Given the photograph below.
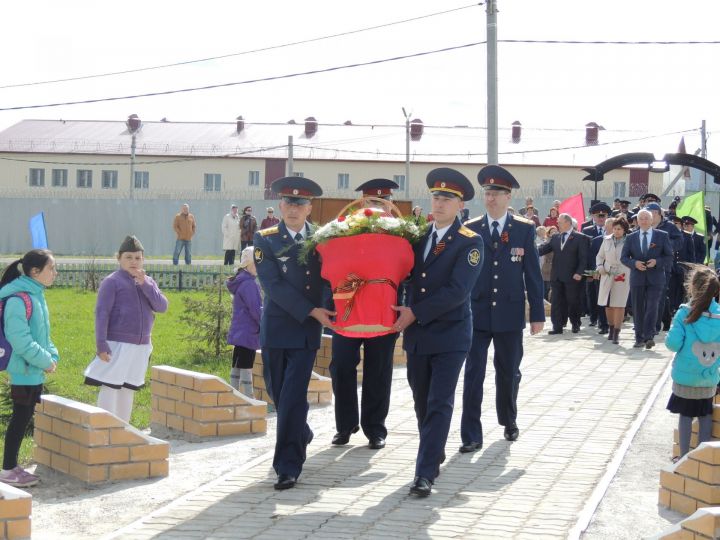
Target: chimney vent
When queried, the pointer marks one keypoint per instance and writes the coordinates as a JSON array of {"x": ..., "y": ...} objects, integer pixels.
[
  {"x": 516, "y": 131},
  {"x": 591, "y": 134},
  {"x": 416, "y": 129},
  {"x": 311, "y": 126},
  {"x": 240, "y": 124},
  {"x": 133, "y": 123}
]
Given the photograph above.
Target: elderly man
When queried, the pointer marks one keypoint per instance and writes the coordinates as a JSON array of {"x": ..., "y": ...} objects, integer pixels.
[
  {"x": 184, "y": 226},
  {"x": 569, "y": 250},
  {"x": 231, "y": 234},
  {"x": 648, "y": 254}
]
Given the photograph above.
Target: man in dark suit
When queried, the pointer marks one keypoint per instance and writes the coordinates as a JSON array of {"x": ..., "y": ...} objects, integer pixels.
[
  {"x": 377, "y": 365},
  {"x": 648, "y": 254},
  {"x": 676, "y": 291},
  {"x": 599, "y": 212},
  {"x": 569, "y": 250},
  {"x": 698, "y": 240},
  {"x": 511, "y": 268},
  {"x": 437, "y": 322},
  {"x": 291, "y": 323}
]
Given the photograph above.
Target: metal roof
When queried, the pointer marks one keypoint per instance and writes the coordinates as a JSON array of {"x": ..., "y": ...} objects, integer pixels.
[{"x": 438, "y": 144}]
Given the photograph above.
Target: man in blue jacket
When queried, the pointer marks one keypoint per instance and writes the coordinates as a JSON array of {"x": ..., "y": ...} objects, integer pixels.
[
  {"x": 511, "y": 268},
  {"x": 648, "y": 254},
  {"x": 291, "y": 323},
  {"x": 437, "y": 323}
]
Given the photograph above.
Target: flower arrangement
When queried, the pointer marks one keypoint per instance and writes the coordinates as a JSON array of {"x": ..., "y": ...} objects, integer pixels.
[{"x": 365, "y": 221}]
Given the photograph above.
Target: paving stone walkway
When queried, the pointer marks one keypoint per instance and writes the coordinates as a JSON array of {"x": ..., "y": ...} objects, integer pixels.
[{"x": 578, "y": 398}]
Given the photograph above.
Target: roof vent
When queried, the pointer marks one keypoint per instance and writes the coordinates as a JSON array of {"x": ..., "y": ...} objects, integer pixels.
[
  {"x": 291, "y": 121},
  {"x": 516, "y": 131},
  {"x": 348, "y": 123},
  {"x": 311, "y": 126},
  {"x": 133, "y": 123},
  {"x": 591, "y": 133},
  {"x": 240, "y": 124},
  {"x": 416, "y": 129}
]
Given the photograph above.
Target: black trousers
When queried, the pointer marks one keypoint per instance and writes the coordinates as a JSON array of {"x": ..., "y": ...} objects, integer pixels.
[
  {"x": 24, "y": 400},
  {"x": 565, "y": 303},
  {"x": 376, "y": 385},
  {"x": 229, "y": 257}
]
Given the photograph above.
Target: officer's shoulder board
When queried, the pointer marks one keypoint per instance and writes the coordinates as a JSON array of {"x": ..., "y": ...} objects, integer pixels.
[
  {"x": 522, "y": 219},
  {"x": 466, "y": 232},
  {"x": 689, "y": 233},
  {"x": 474, "y": 220},
  {"x": 269, "y": 231}
]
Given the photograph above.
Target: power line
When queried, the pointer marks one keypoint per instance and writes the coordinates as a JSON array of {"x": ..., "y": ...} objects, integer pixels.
[
  {"x": 605, "y": 42},
  {"x": 250, "y": 81},
  {"x": 230, "y": 55}
]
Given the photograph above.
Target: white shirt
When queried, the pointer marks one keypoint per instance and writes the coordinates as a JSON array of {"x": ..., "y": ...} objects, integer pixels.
[
  {"x": 440, "y": 233},
  {"x": 295, "y": 233},
  {"x": 649, "y": 237},
  {"x": 501, "y": 223}
]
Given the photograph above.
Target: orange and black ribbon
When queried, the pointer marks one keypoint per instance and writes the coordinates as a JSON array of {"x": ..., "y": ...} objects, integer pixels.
[
  {"x": 439, "y": 248},
  {"x": 352, "y": 284}
]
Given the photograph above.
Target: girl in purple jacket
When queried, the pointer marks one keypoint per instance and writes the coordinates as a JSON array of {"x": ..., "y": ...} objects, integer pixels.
[
  {"x": 244, "y": 331},
  {"x": 124, "y": 317}
]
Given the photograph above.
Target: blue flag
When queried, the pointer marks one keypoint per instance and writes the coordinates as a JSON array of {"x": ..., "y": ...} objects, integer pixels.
[{"x": 37, "y": 231}]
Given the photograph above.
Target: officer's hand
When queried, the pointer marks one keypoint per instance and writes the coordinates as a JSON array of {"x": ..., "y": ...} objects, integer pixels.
[
  {"x": 640, "y": 266},
  {"x": 651, "y": 263},
  {"x": 536, "y": 327},
  {"x": 323, "y": 316},
  {"x": 405, "y": 318},
  {"x": 577, "y": 277}
]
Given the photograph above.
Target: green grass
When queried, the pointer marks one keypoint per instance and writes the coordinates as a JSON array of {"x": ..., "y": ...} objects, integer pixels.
[{"x": 73, "y": 332}]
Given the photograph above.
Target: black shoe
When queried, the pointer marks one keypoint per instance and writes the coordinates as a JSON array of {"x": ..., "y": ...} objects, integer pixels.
[
  {"x": 470, "y": 447},
  {"x": 422, "y": 487},
  {"x": 343, "y": 437},
  {"x": 592, "y": 323},
  {"x": 665, "y": 328},
  {"x": 604, "y": 330},
  {"x": 376, "y": 443},
  {"x": 575, "y": 329},
  {"x": 638, "y": 344},
  {"x": 285, "y": 481},
  {"x": 649, "y": 344},
  {"x": 554, "y": 332},
  {"x": 511, "y": 432}
]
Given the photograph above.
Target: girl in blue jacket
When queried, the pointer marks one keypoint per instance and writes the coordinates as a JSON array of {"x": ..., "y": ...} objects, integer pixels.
[
  {"x": 33, "y": 352},
  {"x": 695, "y": 338}
]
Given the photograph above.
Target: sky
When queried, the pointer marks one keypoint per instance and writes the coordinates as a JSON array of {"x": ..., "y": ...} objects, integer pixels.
[{"x": 653, "y": 88}]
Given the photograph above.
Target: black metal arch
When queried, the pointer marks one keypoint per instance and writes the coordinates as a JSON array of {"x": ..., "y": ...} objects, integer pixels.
[{"x": 597, "y": 173}]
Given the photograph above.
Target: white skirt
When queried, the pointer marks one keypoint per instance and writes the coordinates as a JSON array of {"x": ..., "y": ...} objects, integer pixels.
[{"x": 126, "y": 368}]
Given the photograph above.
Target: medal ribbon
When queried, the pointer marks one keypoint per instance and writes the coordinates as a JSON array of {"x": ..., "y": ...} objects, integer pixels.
[{"x": 347, "y": 289}]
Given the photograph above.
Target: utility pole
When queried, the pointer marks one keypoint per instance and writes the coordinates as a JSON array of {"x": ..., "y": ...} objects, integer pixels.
[
  {"x": 290, "y": 156},
  {"x": 132, "y": 165},
  {"x": 492, "y": 101},
  {"x": 703, "y": 152},
  {"x": 407, "y": 153}
]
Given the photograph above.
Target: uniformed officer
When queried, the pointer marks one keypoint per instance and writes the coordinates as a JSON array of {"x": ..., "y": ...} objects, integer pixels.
[
  {"x": 437, "y": 323},
  {"x": 676, "y": 291},
  {"x": 688, "y": 223},
  {"x": 511, "y": 268},
  {"x": 291, "y": 323},
  {"x": 599, "y": 212},
  {"x": 377, "y": 366}
]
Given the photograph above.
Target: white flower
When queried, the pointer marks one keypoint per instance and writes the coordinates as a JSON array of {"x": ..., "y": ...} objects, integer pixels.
[{"x": 389, "y": 223}]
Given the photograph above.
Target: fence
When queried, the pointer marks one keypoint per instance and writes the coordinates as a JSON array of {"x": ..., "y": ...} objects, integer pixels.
[{"x": 180, "y": 278}]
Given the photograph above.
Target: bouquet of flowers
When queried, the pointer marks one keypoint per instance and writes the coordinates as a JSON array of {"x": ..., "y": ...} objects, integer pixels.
[{"x": 366, "y": 254}]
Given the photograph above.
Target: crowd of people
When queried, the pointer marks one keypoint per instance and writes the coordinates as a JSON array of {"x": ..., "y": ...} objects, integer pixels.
[{"x": 468, "y": 288}]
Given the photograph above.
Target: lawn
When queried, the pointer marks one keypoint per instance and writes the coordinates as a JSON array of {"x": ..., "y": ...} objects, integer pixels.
[{"x": 73, "y": 332}]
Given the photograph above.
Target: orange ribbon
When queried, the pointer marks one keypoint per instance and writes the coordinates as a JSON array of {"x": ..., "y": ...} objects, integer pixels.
[{"x": 352, "y": 284}]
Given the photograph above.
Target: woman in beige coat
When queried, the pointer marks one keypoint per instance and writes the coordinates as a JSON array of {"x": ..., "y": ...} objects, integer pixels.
[{"x": 614, "y": 276}]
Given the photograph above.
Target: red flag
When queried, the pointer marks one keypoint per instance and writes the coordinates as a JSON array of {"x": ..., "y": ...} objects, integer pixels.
[
  {"x": 682, "y": 150},
  {"x": 575, "y": 207}
]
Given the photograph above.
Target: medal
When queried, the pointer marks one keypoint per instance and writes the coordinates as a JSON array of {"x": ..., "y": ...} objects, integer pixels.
[{"x": 284, "y": 268}]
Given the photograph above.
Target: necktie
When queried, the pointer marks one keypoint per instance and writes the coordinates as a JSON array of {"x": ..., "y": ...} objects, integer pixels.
[
  {"x": 495, "y": 237},
  {"x": 433, "y": 243},
  {"x": 644, "y": 243},
  {"x": 562, "y": 240},
  {"x": 299, "y": 237}
]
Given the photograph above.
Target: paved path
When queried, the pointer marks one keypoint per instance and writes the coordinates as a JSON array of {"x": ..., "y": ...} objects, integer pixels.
[{"x": 578, "y": 400}]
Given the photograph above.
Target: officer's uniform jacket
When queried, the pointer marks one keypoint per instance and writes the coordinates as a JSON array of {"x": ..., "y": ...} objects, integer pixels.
[
  {"x": 498, "y": 298},
  {"x": 292, "y": 290},
  {"x": 700, "y": 247},
  {"x": 438, "y": 292}
]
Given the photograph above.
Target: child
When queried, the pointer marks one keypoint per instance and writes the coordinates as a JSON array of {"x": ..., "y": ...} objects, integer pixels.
[
  {"x": 695, "y": 338},
  {"x": 124, "y": 317},
  {"x": 244, "y": 330},
  {"x": 33, "y": 352}
]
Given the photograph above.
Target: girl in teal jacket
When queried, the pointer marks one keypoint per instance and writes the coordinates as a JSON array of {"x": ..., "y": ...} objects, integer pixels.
[
  {"x": 695, "y": 338},
  {"x": 33, "y": 353}
]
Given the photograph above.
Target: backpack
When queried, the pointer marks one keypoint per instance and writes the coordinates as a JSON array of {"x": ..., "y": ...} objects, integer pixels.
[{"x": 5, "y": 347}]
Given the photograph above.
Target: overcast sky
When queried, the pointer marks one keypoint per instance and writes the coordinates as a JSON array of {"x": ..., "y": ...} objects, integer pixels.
[{"x": 659, "y": 88}]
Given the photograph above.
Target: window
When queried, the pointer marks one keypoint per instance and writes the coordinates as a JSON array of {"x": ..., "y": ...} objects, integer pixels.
[
  {"x": 548, "y": 187},
  {"x": 37, "y": 177},
  {"x": 59, "y": 178},
  {"x": 109, "y": 179},
  {"x": 619, "y": 189},
  {"x": 254, "y": 178},
  {"x": 343, "y": 181},
  {"x": 213, "y": 182},
  {"x": 300, "y": 174},
  {"x": 142, "y": 180},
  {"x": 84, "y": 178},
  {"x": 399, "y": 179}
]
